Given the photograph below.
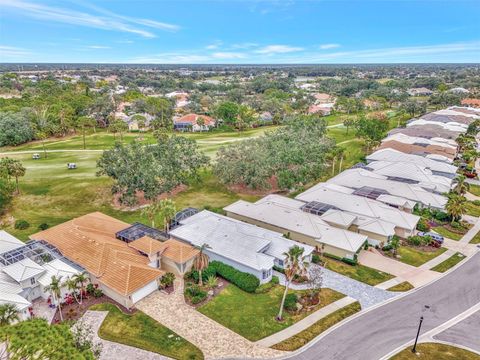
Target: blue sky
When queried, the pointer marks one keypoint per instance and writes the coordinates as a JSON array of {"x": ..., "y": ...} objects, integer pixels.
[{"x": 234, "y": 31}]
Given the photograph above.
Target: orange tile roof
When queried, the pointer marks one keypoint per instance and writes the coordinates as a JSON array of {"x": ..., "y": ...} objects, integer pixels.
[
  {"x": 178, "y": 251},
  {"x": 147, "y": 245},
  {"x": 471, "y": 102},
  {"x": 192, "y": 119},
  {"x": 90, "y": 241},
  {"x": 416, "y": 149}
]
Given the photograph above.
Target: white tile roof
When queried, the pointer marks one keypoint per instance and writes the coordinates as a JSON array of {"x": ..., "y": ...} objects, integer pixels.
[
  {"x": 23, "y": 270},
  {"x": 451, "y": 111},
  {"x": 393, "y": 155},
  {"x": 405, "y": 139},
  {"x": 330, "y": 194},
  {"x": 285, "y": 213},
  {"x": 357, "y": 178},
  {"x": 243, "y": 243},
  {"x": 17, "y": 300},
  {"x": 8, "y": 242},
  {"x": 57, "y": 268}
]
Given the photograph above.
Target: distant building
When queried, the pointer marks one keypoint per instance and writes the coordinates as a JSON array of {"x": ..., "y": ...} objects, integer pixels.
[
  {"x": 471, "y": 102},
  {"x": 419, "y": 92},
  {"x": 190, "y": 122}
]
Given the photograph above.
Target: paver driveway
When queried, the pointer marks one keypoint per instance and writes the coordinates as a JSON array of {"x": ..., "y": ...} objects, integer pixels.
[{"x": 215, "y": 340}]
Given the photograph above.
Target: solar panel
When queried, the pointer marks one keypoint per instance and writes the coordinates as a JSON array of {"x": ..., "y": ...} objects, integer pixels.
[
  {"x": 138, "y": 230},
  {"x": 370, "y": 192},
  {"x": 317, "y": 208},
  {"x": 403, "y": 180}
]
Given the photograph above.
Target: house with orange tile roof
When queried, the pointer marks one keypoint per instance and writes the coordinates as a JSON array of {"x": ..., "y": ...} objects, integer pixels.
[
  {"x": 125, "y": 271},
  {"x": 471, "y": 102},
  {"x": 193, "y": 122}
]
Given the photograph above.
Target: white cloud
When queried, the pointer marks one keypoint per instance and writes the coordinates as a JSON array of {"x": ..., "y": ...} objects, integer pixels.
[
  {"x": 245, "y": 45},
  {"x": 11, "y": 52},
  {"x": 112, "y": 21},
  {"x": 228, "y": 55},
  {"x": 278, "y": 49},
  {"x": 98, "y": 47},
  {"x": 124, "y": 41},
  {"x": 214, "y": 45},
  {"x": 329, "y": 46}
]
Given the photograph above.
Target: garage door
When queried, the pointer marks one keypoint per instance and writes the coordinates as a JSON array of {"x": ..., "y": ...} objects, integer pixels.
[{"x": 146, "y": 290}]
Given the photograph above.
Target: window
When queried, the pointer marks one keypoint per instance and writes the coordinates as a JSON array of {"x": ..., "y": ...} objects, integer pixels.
[
  {"x": 280, "y": 262},
  {"x": 32, "y": 281},
  {"x": 266, "y": 273}
]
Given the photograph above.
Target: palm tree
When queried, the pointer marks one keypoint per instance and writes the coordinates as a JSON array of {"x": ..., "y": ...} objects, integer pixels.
[
  {"x": 55, "y": 288},
  {"x": 456, "y": 206},
  {"x": 167, "y": 211},
  {"x": 295, "y": 264},
  {"x": 81, "y": 278},
  {"x": 8, "y": 314},
  {"x": 150, "y": 212},
  {"x": 72, "y": 286},
  {"x": 201, "y": 262},
  {"x": 462, "y": 186}
]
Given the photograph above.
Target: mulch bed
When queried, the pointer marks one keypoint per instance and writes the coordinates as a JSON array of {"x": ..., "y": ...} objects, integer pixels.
[
  {"x": 222, "y": 284},
  {"x": 75, "y": 311}
]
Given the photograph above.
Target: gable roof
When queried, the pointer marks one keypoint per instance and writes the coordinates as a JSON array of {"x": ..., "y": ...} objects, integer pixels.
[
  {"x": 90, "y": 241},
  {"x": 57, "y": 268},
  {"x": 286, "y": 213},
  {"x": 23, "y": 270},
  {"x": 418, "y": 149},
  {"x": 192, "y": 119},
  {"x": 178, "y": 251},
  {"x": 8, "y": 242},
  {"x": 20, "y": 302},
  {"x": 147, "y": 245}
]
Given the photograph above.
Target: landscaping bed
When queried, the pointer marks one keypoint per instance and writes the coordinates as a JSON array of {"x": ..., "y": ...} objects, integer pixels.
[
  {"x": 404, "y": 286},
  {"x": 141, "y": 331},
  {"x": 358, "y": 272},
  {"x": 252, "y": 315},
  {"x": 449, "y": 263},
  {"x": 450, "y": 232},
  {"x": 473, "y": 208},
  {"x": 305, "y": 336},
  {"x": 431, "y": 351}
]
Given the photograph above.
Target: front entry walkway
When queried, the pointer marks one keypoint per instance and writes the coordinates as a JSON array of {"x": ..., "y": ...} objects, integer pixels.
[
  {"x": 213, "y": 339},
  {"x": 415, "y": 276}
]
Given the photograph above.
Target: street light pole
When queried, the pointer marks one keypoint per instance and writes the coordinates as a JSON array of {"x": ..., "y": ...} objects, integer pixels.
[{"x": 414, "y": 349}]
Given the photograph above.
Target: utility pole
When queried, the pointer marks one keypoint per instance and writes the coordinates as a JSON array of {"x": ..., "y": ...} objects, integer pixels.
[{"x": 414, "y": 349}]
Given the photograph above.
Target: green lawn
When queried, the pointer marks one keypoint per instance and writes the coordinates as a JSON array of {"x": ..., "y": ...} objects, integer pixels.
[
  {"x": 253, "y": 315},
  {"x": 141, "y": 331},
  {"x": 449, "y": 263},
  {"x": 417, "y": 257},
  {"x": 472, "y": 209},
  {"x": 433, "y": 351},
  {"x": 305, "y": 336},
  {"x": 404, "y": 286},
  {"x": 358, "y": 272},
  {"x": 447, "y": 233},
  {"x": 476, "y": 239},
  {"x": 474, "y": 189}
]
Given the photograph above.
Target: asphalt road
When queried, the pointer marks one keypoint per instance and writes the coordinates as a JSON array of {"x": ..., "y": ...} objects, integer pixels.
[
  {"x": 378, "y": 332},
  {"x": 466, "y": 332}
]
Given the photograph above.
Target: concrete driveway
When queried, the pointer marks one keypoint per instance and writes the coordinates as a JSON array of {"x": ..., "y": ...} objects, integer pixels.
[{"x": 415, "y": 276}]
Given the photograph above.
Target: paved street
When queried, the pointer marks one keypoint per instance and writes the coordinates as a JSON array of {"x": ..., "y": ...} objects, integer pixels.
[
  {"x": 377, "y": 332},
  {"x": 466, "y": 332}
]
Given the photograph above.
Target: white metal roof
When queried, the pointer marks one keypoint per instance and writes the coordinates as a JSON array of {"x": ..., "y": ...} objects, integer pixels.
[
  {"x": 9, "y": 242},
  {"x": 23, "y": 269},
  {"x": 8, "y": 285},
  {"x": 358, "y": 178},
  {"x": 57, "y": 268},
  {"x": 330, "y": 194},
  {"x": 243, "y": 243},
  {"x": 405, "y": 139},
  {"x": 285, "y": 213},
  {"x": 393, "y": 155},
  {"x": 17, "y": 300},
  {"x": 451, "y": 126}
]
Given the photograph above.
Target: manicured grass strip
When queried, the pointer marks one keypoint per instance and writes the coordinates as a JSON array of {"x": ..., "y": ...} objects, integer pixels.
[
  {"x": 474, "y": 189},
  {"x": 253, "y": 315},
  {"x": 430, "y": 351},
  {"x": 449, "y": 263},
  {"x": 404, "y": 286},
  {"x": 305, "y": 336},
  {"x": 141, "y": 331},
  {"x": 476, "y": 239},
  {"x": 447, "y": 233},
  {"x": 417, "y": 257},
  {"x": 472, "y": 209},
  {"x": 358, "y": 272}
]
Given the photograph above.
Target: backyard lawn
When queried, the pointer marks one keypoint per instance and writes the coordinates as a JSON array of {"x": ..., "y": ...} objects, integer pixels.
[
  {"x": 404, "y": 286},
  {"x": 432, "y": 351},
  {"x": 141, "y": 331},
  {"x": 358, "y": 272},
  {"x": 253, "y": 315},
  {"x": 305, "y": 336},
  {"x": 417, "y": 257},
  {"x": 449, "y": 263}
]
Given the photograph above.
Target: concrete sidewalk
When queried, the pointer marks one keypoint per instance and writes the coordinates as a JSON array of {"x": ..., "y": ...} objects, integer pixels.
[
  {"x": 305, "y": 323},
  {"x": 471, "y": 233}
]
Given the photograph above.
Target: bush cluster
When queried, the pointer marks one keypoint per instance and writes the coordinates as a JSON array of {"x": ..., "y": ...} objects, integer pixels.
[
  {"x": 195, "y": 294},
  {"x": 290, "y": 302},
  {"x": 22, "y": 224},
  {"x": 265, "y": 288},
  {"x": 423, "y": 225},
  {"x": 245, "y": 281}
]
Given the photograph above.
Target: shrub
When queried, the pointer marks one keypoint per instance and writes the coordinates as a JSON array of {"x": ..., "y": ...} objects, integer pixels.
[
  {"x": 244, "y": 281},
  {"x": 97, "y": 293},
  {"x": 349, "y": 261},
  {"x": 365, "y": 247},
  {"x": 167, "y": 280},
  {"x": 316, "y": 259},
  {"x": 423, "y": 225},
  {"x": 206, "y": 273},
  {"x": 43, "y": 226},
  {"x": 279, "y": 269},
  {"x": 290, "y": 302},
  {"x": 441, "y": 216},
  {"x": 22, "y": 224},
  {"x": 195, "y": 294},
  {"x": 456, "y": 225},
  {"x": 275, "y": 280},
  {"x": 476, "y": 202},
  {"x": 331, "y": 256},
  {"x": 212, "y": 281},
  {"x": 387, "y": 247},
  {"x": 90, "y": 289},
  {"x": 419, "y": 240}
]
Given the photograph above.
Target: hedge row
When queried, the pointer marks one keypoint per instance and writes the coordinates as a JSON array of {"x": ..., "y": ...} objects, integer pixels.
[{"x": 245, "y": 281}]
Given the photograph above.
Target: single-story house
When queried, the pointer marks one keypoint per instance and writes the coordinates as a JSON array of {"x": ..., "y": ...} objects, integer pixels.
[
  {"x": 246, "y": 247},
  {"x": 191, "y": 122},
  {"x": 427, "y": 131},
  {"x": 422, "y": 91},
  {"x": 323, "y": 109},
  {"x": 451, "y": 125},
  {"x": 282, "y": 214},
  {"x": 402, "y": 223},
  {"x": 471, "y": 102}
]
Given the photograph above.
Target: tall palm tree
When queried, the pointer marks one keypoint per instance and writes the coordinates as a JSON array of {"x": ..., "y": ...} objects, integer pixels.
[
  {"x": 150, "y": 212},
  {"x": 201, "y": 262},
  {"x": 167, "y": 211},
  {"x": 81, "y": 278},
  {"x": 462, "y": 186},
  {"x": 456, "y": 206},
  {"x": 295, "y": 264},
  {"x": 55, "y": 289},
  {"x": 72, "y": 286},
  {"x": 8, "y": 314}
]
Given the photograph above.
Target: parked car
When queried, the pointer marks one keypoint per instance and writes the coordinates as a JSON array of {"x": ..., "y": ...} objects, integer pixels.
[{"x": 435, "y": 237}]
